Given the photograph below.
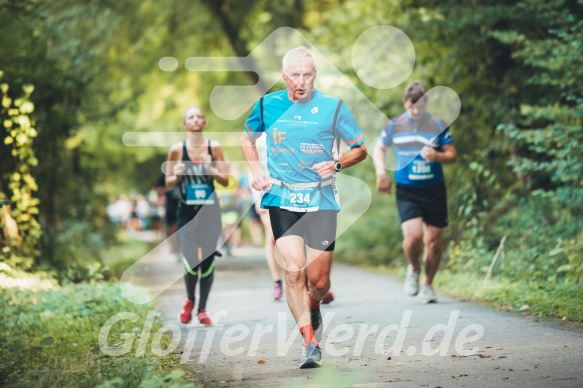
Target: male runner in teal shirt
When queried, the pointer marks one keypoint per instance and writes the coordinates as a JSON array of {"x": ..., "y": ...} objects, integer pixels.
[{"x": 303, "y": 128}]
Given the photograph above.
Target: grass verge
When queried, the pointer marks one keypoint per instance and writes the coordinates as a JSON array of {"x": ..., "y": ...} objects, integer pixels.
[
  {"x": 50, "y": 337},
  {"x": 547, "y": 299},
  {"x": 552, "y": 300}
]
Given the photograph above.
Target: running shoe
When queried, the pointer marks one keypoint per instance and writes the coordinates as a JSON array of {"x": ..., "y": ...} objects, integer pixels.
[
  {"x": 427, "y": 294},
  {"x": 312, "y": 357},
  {"x": 203, "y": 317},
  {"x": 186, "y": 313},
  {"x": 316, "y": 318},
  {"x": 277, "y": 291},
  {"x": 329, "y": 297},
  {"x": 411, "y": 281}
]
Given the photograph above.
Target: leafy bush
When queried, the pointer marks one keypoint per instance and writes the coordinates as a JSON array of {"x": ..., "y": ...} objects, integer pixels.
[
  {"x": 78, "y": 241},
  {"x": 77, "y": 273},
  {"x": 16, "y": 179},
  {"x": 572, "y": 250},
  {"x": 374, "y": 238}
]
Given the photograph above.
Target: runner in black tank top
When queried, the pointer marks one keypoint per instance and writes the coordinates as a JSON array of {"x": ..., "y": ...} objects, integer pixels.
[{"x": 198, "y": 213}]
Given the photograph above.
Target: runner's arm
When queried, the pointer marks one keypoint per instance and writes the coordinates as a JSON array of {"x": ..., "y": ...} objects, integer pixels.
[
  {"x": 447, "y": 154},
  {"x": 384, "y": 184},
  {"x": 174, "y": 167},
  {"x": 355, "y": 155},
  {"x": 260, "y": 180},
  {"x": 221, "y": 171}
]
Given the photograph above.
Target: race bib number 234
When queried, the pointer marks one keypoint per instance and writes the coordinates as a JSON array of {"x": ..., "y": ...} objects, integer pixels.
[{"x": 300, "y": 198}]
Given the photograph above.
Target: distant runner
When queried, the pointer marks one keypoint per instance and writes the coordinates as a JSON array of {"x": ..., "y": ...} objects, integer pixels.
[
  {"x": 422, "y": 143},
  {"x": 193, "y": 165}
]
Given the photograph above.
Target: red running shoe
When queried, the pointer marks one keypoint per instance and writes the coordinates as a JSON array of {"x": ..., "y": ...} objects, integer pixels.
[
  {"x": 328, "y": 297},
  {"x": 186, "y": 313},
  {"x": 203, "y": 317}
]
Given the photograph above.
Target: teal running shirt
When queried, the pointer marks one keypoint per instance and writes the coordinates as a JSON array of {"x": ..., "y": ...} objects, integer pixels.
[{"x": 300, "y": 135}]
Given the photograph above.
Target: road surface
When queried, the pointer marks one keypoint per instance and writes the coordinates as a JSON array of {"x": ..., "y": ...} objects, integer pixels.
[{"x": 375, "y": 335}]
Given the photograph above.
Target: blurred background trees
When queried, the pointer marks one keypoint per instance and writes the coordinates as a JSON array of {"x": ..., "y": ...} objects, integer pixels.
[{"x": 517, "y": 68}]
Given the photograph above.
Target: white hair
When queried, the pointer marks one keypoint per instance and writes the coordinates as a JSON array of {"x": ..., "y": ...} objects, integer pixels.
[
  {"x": 193, "y": 107},
  {"x": 296, "y": 55}
]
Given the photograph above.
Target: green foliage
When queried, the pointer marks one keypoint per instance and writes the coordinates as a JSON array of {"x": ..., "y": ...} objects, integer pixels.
[
  {"x": 517, "y": 68},
  {"x": 92, "y": 273},
  {"x": 536, "y": 229},
  {"x": 373, "y": 240},
  {"x": 572, "y": 250},
  {"x": 49, "y": 337},
  {"x": 19, "y": 157},
  {"x": 119, "y": 257},
  {"x": 100, "y": 261},
  {"x": 518, "y": 64},
  {"x": 548, "y": 133},
  {"x": 542, "y": 244},
  {"x": 80, "y": 243},
  {"x": 147, "y": 379},
  {"x": 473, "y": 197}
]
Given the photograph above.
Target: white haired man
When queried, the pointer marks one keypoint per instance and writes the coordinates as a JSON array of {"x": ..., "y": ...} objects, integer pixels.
[{"x": 303, "y": 126}]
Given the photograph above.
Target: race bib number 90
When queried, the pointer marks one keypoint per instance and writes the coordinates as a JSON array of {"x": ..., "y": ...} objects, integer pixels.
[{"x": 199, "y": 194}]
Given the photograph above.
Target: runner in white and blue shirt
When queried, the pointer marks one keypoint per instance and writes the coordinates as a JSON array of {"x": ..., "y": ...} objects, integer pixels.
[
  {"x": 409, "y": 137},
  {"x": 422, "y": 143}
]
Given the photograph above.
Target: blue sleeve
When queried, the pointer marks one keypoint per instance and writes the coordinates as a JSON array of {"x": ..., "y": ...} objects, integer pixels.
[
  {"x": 254, "y": 126},
  {"x": 445, "y": 136},
  {"x": 386, "y": 134},
  {"x": 348, "y": 129}
]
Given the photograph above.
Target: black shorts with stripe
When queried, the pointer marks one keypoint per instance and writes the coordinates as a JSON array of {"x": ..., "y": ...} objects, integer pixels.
[
  {"x": 318, "y": 229},
  {"x": 428, "y": 203}
]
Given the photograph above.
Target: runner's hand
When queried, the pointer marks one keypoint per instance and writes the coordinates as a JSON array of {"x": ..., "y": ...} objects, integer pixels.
[
  {"x": 429, "y": 154},
  {"x": 325, "y": 169},
  {"x": 207, "y": 160},
  {"x": 384, "y": 184},
  {"x": 260, "y": 182},
  {"x": 178, "y": 168}
]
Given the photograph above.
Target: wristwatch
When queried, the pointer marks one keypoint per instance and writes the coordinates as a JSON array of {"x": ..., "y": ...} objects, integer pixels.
[{"x": 337, "y": 165}]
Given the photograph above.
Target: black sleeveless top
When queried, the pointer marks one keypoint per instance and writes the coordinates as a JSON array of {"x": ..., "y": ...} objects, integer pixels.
[{"x": 196, "y": 184}]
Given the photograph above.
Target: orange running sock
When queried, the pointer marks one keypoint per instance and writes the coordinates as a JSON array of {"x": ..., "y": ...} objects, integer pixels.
[{"x": 308, "y": 333}]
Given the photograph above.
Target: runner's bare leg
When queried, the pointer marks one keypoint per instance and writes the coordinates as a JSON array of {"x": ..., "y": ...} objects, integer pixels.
[{"x": 290, "y": 253}]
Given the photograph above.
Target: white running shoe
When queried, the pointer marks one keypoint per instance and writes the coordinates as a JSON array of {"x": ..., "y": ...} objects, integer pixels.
[
  {"x": 411, "y": 281},
  {"x": 427, "y": 294}
]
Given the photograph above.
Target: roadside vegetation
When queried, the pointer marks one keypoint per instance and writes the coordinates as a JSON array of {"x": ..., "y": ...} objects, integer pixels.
[{"x": 50, "y": 331}]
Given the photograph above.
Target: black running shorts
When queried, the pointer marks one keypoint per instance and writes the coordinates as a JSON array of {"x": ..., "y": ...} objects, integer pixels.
[
  {"x": 318, "y": 229},
  {"x": 429, "y": 203}
]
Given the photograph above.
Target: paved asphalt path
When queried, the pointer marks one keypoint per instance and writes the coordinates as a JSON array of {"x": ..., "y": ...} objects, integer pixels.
[{"x": 375, "y": 335}]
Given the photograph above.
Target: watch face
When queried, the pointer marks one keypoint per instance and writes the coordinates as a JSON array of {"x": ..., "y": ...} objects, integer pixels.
[{"x": 338, "y": 166}]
